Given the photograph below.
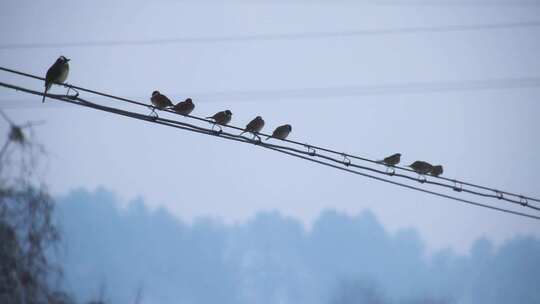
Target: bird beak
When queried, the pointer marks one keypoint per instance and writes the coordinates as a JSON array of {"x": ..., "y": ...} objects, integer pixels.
[{"x": 67, "y": 60}]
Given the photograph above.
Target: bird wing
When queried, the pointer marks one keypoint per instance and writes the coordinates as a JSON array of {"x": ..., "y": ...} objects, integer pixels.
[{"x": 53, "y": 74}]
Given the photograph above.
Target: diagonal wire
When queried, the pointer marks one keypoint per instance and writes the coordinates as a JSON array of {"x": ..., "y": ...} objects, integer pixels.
[
  {"x": 455, "y": 184},
  {"x": 282, "y": 149},
  {"x": 274, "y": 37}
]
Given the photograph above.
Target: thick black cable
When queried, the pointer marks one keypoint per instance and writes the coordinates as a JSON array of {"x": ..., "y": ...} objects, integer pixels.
[
  {"x": 456, "y": 184},
  {"x": 274, "y": 37},
  {"x": 176, "y": 124}
]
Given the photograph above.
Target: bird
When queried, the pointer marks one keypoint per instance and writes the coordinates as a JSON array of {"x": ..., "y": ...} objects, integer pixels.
[
  {"x": 160, "y": 101},
  {"x": 436, "y": 170},
  {"x": 58, "y": 72},
  {"x": 221, "y": 118},
  {"x": 184, "y": 107},
  {"x": 281, "y": 132},
  {"x": 421, "y": 167},
  {"x": 391, "y": 160},
  {"x": 254, "y": 126}
]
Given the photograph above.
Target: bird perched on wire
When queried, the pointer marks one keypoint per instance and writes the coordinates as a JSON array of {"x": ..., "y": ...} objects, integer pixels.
[
  {"x": 254, "y": 126},
  {"x": 281, "y": 132},
  {"x": 184, "y": 107},
  {"x": 436, "y": 170},
  {"x": 391, "y": 160},
  {"x": 221, "y": 118},
  {"x": 160, "y": 101},
  {"x": 57, "y": 73},
  {"x": 421, "y": 167}
]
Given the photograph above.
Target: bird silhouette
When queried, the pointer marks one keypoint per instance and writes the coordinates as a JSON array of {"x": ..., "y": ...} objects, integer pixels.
[
  {"x": 254, "y": 126},
  {"x": 184, "y": 107},
  {"x": 436, "y": 170},
  {"x": 160, "y": 101},
  {"x": 281, "y": 132},
  {"x": 222, "y": 118},
  {"x": 391, "y": 160},
  {"x": 58, "y": 72},
  {"x": 421, "y": 167}
]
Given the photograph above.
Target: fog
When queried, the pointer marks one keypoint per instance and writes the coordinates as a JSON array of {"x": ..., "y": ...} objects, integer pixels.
[{"x": 115, "y": 251}]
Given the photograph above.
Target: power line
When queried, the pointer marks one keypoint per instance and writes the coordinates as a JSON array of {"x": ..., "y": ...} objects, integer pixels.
[
  {"x": 457, "y": 3},
  {"x": 456, "y": 185},
  {"x": 348, "y": 91},
  {"x": 229, "y": 136},
  {"x": 273, "y": 37}
]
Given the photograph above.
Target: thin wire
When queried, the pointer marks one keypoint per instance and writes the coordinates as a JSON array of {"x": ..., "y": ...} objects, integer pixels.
[
  {"x": 274, "y": 37},
  {"x": 457, "y": 3},
  {"x": 188, "y": 127},
  {"x": 498, "y": 194},
  {"x": 345, "y": 91}
]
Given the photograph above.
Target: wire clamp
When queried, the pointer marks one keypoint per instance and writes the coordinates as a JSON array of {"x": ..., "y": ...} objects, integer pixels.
[
  {"x": 458, "y": 187},
  {"x": 391, "y": 171},
  {"x": 70, "y": 88},
  {"x": 310, "y": 150},
  {"x": 153, "y": 114},
  {"x": 523, "y": 201},
  {"x": 346, "y": 160},
  {"x": 218, "y": 131},
  {"x": 256, "y": 139},
  {"x": 421, "y": 179},
  {"x": 499, "y": 194}
]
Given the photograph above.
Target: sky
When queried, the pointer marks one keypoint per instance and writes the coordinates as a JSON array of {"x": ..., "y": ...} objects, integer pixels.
[{"x": 485, "y": 136}]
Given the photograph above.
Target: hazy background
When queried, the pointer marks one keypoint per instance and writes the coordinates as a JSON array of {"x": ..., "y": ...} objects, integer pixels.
[{"x": 487, "y": 136}]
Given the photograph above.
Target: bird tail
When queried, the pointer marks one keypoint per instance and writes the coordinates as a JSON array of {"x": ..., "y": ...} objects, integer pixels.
[
  {"x": 44, "y": 92},
  {"x": 380, "y": 161},
  {"x": 242, "y": 133}
]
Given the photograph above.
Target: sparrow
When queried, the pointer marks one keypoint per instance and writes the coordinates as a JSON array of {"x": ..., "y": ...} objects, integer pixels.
[
  {"x": 421, "y": 167},
  {"x": 58, "y": 72},
  {"x": 160, "y": 101},
  {"x": 184, "y": 107},
  {"x": 437, "y": 170},
  {"x": 254, "y": 126},
  {"x": 281, "y": 132},
  {"x": 391, "y": 160},
  {"x": 221, "y": 118}
]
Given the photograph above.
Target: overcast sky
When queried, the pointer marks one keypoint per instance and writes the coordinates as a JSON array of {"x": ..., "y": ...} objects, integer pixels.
[{"x": 485, "y": 136}]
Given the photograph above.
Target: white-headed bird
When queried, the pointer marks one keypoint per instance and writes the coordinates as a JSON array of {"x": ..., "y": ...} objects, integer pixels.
[
  {"x": 160, "y": 101},
  {"x": 391, "y": 160},
  {"x": 436, "y": 170},
  {"x": 57, "y": 73},
  {"x": 421, "y": 167},
  {"x": 222, "y": 118},
  {"x": 281, "y": 132},
  {"x": 184, "y": 107},
  {"x": 254, "y": 126}
]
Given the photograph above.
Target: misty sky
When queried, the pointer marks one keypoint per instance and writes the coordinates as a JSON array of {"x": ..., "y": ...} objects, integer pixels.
[{"x": 488, "y": 137}]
